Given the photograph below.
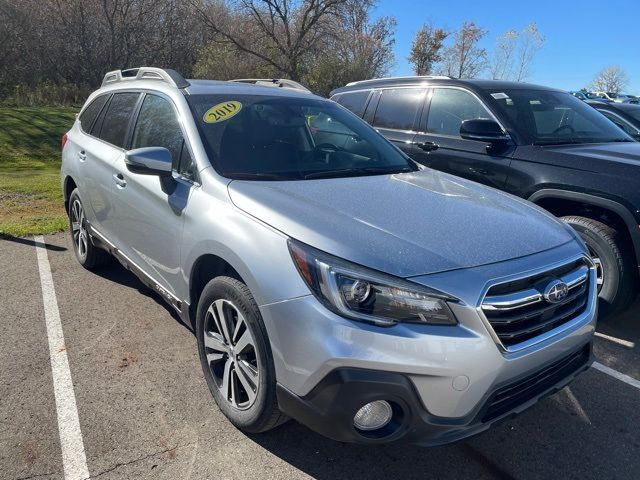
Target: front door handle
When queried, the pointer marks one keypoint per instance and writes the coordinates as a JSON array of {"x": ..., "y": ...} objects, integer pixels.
[
  {"x": 426, "y": 146},
  {"x": 119, "y": 179},
  {"x": 82, "y": 155}
]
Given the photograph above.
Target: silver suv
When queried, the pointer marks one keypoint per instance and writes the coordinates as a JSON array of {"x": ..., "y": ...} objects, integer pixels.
[{"x": 327, "y": 277}]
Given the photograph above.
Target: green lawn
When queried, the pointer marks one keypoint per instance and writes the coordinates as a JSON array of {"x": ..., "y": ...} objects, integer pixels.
[{"x": 30, "y": 196}]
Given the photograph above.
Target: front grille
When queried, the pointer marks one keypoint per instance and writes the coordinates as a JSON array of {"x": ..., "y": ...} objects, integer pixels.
[
  {"x": 518, "y": 310},
  {"x": 508, "y": 398}
]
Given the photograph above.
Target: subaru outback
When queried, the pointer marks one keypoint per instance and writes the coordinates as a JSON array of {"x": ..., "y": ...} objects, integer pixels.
[{"x": 327, "y": 277}]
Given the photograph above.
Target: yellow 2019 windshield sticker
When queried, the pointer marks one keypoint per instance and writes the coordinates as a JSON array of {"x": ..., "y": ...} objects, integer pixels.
[{"x": 222, "y": 111}]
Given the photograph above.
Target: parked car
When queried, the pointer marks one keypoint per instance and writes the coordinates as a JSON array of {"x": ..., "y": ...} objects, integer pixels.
[
  {"x": 594, "y": 96},
  {"x": 327, "y": 276},
  {"x": 579, "y": 95},
  {"x": 624, "y": 115},
  {"x": 541, "y": 144},
  {"x": 614, "y": 97}
]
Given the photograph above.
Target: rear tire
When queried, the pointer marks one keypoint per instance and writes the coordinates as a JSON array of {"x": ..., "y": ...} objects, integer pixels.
[
  {"x": 236, "y": 357},
  {"x": 614, "y": 260},
  {"x": 87, "y": 253}
]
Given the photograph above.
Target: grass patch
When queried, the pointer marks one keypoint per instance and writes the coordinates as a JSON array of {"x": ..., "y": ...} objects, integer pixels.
[{"x": 30, "y": 196}]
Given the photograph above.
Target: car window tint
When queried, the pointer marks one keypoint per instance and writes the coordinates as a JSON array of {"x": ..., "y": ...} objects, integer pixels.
[
  {"x": 89, "y": 114},
  {"x": 449, "y": 108},
  {"x": 398, "y": 108},
  {"x": 117, "y": 118},
  {"x": 157, "y": 126},
  {"x": 354, "y": 101},
  {"x": 619, "y": 122}
]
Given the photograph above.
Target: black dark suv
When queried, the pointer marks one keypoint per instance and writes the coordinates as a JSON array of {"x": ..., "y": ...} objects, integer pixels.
[{"x": 535, "y": 142}]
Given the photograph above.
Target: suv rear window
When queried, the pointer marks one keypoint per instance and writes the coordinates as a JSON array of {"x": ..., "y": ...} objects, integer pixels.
[
  {"x": 117, "y": 118},
  {"x": 354, "y": 101},
  {"x": 398, "y": 108},
  {"x": 90, "y": 113}
]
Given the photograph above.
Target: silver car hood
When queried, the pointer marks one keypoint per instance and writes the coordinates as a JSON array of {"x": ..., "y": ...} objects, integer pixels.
[{"x": 407, "y": 224}]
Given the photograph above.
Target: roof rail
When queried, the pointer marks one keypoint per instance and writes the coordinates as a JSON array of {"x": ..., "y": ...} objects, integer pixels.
[
  {"x": 415, "y": 77},
  {"x": 166, "y": 75},
  {"x": 273, "y": 82}
]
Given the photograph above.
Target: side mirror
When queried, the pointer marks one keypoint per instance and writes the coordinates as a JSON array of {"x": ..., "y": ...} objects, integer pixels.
[
  {"x": 483, "y": 130},
  {"x": 149, "y": 161}
]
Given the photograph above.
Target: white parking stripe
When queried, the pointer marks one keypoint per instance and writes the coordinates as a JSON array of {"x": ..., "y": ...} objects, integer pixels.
[
  {"x": 619, "y": 341},
  {"x": 616, "y": 374},
  {"x": 73, "y": 457}
]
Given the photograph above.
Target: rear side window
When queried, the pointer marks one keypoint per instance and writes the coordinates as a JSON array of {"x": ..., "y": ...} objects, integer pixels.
[
  {"x": 157, "y": 126},
  {"x": 355, "y": 101},
  {"x": 116, "y": 120},
  {"x": 398, "y": 108},
  {"x": 449, "y": 108},
  {"x": 88, "y": 116}
]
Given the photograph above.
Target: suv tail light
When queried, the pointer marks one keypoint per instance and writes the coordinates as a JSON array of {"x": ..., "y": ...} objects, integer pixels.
[{"x": 63, "y": 141}]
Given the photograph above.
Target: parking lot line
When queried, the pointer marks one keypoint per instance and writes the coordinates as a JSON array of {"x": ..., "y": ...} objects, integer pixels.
[
  {"x": 616, "y": 374},
  {"x": 73, "y": 456},
  {"x": 625, "y": 343}
]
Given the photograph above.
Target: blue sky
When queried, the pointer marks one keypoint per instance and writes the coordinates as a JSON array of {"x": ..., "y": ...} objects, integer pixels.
[{"x": 581, "y": 37}]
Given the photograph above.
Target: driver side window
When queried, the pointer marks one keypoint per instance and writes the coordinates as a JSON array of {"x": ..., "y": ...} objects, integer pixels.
[
  {"x": 449, "y": 108},
  {"x": 157, "y": 126}
]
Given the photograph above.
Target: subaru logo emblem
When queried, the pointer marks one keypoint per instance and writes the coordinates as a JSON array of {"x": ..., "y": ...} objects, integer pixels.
[{"x": 556, "y": 291}]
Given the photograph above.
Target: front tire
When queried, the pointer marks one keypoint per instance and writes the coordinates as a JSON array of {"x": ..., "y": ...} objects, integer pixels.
[
  {"x": 235, "y": 355},
  {"x": 87, "y": 253},
  {"x": 610, "y": 251}
]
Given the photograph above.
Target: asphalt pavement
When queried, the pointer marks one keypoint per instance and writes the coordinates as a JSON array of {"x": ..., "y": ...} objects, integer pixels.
[{"x": 145, "y": 411}]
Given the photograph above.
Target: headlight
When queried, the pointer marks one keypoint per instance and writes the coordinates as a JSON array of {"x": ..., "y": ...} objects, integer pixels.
[{"x": 363, "y": 294}]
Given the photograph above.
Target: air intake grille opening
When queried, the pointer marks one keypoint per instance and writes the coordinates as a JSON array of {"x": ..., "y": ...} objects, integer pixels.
[
  {"x": 523, "y": 309},
  {"x": 507, "y": 398}
]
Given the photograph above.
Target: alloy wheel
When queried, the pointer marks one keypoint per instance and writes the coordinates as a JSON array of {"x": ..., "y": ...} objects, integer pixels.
[
  {"x": 78, "y": 229},
  {"x": 231, "y": 354},
  {"x": 599, "y": 268}
]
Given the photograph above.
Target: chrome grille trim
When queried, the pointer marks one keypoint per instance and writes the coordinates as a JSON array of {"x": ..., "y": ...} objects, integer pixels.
[
  {"x": 530, "y": 296},
  {"x": 517, "y": 314}
]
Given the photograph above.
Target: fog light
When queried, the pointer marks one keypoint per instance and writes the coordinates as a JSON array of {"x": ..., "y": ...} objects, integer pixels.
[{"x": 373, "y": 415}]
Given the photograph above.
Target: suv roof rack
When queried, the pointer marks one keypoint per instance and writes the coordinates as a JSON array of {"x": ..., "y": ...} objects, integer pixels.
[
  {"x": 414, "y": 77},
  {"x": 166, "y": 75},
  {"x": 273, "y": 82}
]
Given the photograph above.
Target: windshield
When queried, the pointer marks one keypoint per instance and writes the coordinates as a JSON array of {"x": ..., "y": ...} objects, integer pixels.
[
  {"x": 546, "y": 117},
  {"x": 279, "y": 138}
]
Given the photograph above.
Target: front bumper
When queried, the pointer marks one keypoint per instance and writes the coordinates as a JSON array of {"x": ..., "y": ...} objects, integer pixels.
[{"x": 330, "y": 407}]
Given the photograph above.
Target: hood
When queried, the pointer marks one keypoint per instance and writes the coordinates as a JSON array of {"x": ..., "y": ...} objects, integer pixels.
[
  {"x": 594, "y": 157},
  {"x": 407, "y": 224}
]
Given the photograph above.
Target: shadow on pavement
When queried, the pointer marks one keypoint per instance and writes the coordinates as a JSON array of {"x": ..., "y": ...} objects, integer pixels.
[
  {"x": 30, "y": 242},
  {"x": 116, "y": 273}
]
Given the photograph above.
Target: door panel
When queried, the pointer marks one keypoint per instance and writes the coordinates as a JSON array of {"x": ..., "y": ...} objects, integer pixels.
[
  {"x": 438, "y": 145},
  {"x": 148, "y": 213}
]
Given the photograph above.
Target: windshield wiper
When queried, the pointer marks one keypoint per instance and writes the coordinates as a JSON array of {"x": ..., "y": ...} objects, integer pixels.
[
  {"x": 254, "y": 176},
  {"x": 559, "y": 142},
  {"x": 352, "y": 172}
]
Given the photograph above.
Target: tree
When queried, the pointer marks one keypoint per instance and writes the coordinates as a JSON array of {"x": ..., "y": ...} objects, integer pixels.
[
  {"x": 358, "y": 48},
  {"x": 281, "y": 33},
  {"x": 465, "y": 59},
  {"x": 502, "y": 62},
  {"x": 515, "y": 52},
  {"x": 530, "y": 43},
  {"x": 610, "y": 79},
  {"x": 426, "y": 48}
]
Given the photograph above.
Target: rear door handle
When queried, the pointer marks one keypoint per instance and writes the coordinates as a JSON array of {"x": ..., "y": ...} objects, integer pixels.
[
  {"x": 82, "y": 155},
  {"x": 119, "y": 179},
  {"x": 426, "y": 146}
]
